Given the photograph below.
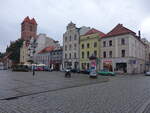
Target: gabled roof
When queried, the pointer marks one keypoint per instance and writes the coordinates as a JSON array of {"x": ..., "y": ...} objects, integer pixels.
[
  {"x": 119, "y": 30},
  {"x": 93, "y": 31},
  {"x": 33, "y": 21},
  {"x": 27, "y": 19},
  {"x": 47, "y": 49}
]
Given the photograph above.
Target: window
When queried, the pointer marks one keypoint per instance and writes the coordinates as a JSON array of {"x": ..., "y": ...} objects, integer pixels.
[
  {"x": 88, "y": 45},
  {"x": 70, "y": 55},
  {"x": 75, "y": 46},
  {"x": 65, "y": 38},
  {"x": 104, "y": 43},
  {"x": 95, "y": 44},
  {"x": 88, "y": 66},
  {"x": 70, "y": 38},
  {"x": 123, "y": 41},
  {"x": 82, "y": 46},
  {"x": 95, "y": 53},
  {"x": 74, "y": 55},
  {"x": 110, "y": 43},
  {"x": 65, "y": 56},
  {"x": 65, "y": 47},
  {"x": 88, "y": 54},
  {"x": 104, "y": 54},
  {"x": 75, "y": 37},
  {"x": 82, "y": 54},
  {"x": 110, "y": 53},
  {"x": 70, "y": 47},
  {"x": 123, "y": 53},
  {"x": 83, "y": 66}
]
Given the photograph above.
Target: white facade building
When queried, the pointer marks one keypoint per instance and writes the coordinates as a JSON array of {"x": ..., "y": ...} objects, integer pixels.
[
  {"x": 71, "y": 45},
  {"x": 122, "y": 51}
]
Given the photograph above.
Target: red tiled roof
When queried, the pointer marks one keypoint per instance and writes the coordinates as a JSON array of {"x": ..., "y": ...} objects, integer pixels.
[
  {"x": 33, "y": 21},
  {"x": 119, "y": 30},
  {"x": 27, "y": 19},
  {"x": 93, "y": 31},
  {"x": 47, "y": 49}
]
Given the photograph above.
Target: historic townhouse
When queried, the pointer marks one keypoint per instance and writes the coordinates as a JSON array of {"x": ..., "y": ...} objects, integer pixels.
[
  {"x": 122, "y": 51},
  {"x": 71, "y": 45},
  {"x": 89, "y": 46},
  {"x": 28, "y": 28}
]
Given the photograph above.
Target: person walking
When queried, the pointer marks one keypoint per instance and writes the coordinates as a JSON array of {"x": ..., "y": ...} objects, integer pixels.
[{"x": 33, "y": 71}]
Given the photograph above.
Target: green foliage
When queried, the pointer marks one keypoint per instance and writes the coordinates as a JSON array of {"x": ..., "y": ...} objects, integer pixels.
[
  {"x": 1, "y": 55},
  {"x": 14, "y": 48}
]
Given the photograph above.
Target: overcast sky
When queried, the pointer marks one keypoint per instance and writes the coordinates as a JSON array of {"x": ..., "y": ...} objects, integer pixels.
[{"x": 53, "y": 16}]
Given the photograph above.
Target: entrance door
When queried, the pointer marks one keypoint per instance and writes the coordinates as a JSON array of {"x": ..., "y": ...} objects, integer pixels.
[{"x": 121, "y": 67}]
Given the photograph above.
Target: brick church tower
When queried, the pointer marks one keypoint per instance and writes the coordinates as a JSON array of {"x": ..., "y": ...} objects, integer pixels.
[{"x": 28, "y": 28}]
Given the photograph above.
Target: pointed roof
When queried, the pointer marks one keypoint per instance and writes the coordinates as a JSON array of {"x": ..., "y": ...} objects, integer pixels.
[
  {"x": 93, "y": 31},
  {"x": 28, "y": 20},
  {"x": 119, "y": 30},
  {"x": 33, "y": 21},
  {"x": 47, "y": 49}
]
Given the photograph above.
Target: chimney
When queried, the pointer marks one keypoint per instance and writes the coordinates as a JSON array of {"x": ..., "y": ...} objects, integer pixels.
[{"x": 139, "y": 33}]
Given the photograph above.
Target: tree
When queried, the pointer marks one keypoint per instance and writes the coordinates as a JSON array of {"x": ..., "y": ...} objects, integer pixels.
[
  {"x": 14, "y": 48},
  {"x": 1, "y": 55}
]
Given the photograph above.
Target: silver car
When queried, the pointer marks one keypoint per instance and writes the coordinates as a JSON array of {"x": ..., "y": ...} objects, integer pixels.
[{"x": 147, "y": 73}]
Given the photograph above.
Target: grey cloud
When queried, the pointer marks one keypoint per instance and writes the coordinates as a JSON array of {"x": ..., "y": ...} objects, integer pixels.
[{"x": 53, "y": 15}]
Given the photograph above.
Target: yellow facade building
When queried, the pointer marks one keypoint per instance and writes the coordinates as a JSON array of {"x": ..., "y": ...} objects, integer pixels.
[{"x": 89, "y": 46}]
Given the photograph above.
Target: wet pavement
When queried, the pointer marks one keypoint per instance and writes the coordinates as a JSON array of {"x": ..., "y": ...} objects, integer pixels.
[
  {"x": 19, "y": 84},
  {"x": 52, "y": 93}
]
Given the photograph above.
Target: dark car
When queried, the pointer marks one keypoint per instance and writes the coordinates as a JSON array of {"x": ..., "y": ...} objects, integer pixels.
[
  {"x": 22, "y": 68},
  {"x": 85, "y": 71},
  {"x": 46, "y": 68},
  {"x": 75, "y": 70}
]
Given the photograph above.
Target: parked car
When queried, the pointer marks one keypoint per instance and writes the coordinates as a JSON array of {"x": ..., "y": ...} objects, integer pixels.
[
  {"x": 46, "y": 68},
  {"x": 75, "y": 70},
  {"x": 39, "y": 68},
  {"x": 106, "y": 72},
  {"x": 22, "y": 68},
  {"x": 147, "y": 73},
  {"x": 85, "y": 71},
  {"x": 68, "y": 69}
]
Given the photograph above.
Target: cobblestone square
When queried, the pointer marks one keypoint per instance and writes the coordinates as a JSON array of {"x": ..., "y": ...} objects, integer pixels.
[{"x": 50, "y": 92}]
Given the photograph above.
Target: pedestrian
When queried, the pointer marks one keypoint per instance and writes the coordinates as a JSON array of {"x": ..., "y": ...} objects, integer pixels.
[{"x": 33, "y": 71}]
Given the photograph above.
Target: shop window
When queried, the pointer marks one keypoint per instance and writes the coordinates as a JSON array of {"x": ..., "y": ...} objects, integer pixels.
[
  {"x": 88, "y": 66},
  {"x": 104, "y": 54}
]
